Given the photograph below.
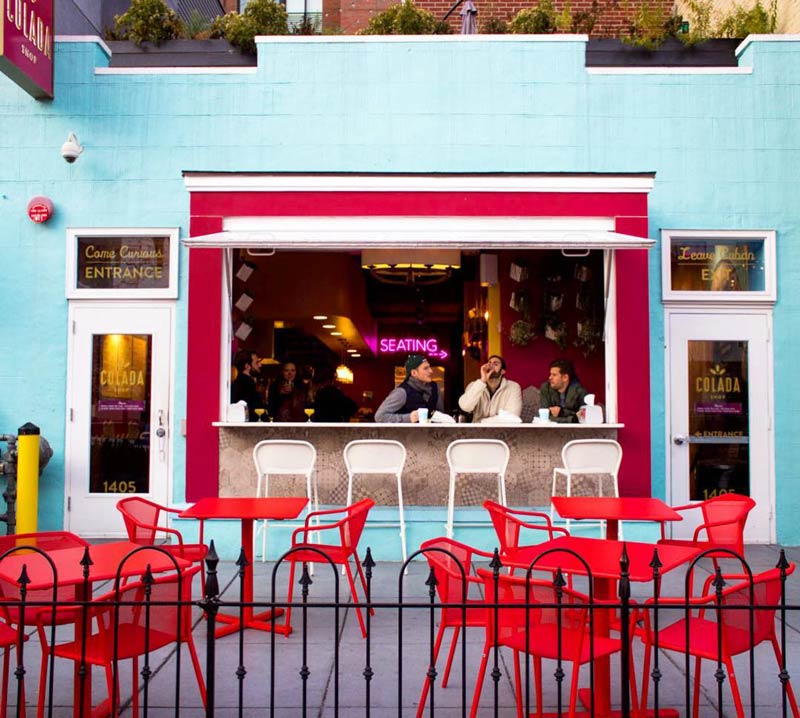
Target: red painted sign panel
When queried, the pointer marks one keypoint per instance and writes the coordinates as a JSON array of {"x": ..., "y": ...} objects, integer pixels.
[{"x": 26, "y": 45}]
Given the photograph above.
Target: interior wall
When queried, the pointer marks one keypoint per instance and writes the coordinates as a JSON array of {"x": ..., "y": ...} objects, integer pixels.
[{"x": 529, "y": 365}]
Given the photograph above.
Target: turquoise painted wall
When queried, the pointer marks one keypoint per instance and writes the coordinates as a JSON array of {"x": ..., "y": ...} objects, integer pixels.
[{"x": 725, "y": 148}]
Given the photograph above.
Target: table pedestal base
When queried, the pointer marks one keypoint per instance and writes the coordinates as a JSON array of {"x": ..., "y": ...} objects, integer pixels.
[
  {"x": 585, "y": 697},
  {"x": 260, "y": 621}
]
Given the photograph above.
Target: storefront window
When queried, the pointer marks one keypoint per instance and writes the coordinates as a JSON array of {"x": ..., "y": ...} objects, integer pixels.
[
  {"x": 724, "y": 266},
  {"x": 718, "y": 419},
  {"x": 120, "y": 439},
  {"x": 334, "y": 314}
]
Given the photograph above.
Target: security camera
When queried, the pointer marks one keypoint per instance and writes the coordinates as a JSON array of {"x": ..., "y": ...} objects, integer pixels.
[{"x": 71, "y": 149}]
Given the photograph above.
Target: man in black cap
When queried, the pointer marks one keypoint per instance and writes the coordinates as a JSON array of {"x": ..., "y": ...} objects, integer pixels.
[{"x": 418, "y": 391}]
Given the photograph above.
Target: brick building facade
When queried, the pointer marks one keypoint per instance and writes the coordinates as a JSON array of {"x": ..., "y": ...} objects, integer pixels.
[{"x": 352, "y": 15}]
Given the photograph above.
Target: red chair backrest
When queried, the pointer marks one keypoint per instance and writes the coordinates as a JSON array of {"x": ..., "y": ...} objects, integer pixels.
[
  {"x": 766, "y": 591},
  {"x": 451, "y": 571},
  {"x": 44, "y": 540},
  {"x": 137, "y": 512},
  {"x": 505, "y": 526},
  {"x": 548, "y": 615},
  {"x": 354, "y": 523},
  {"x": 149, "y": 612},
  {"x": 732, "y": 509}
]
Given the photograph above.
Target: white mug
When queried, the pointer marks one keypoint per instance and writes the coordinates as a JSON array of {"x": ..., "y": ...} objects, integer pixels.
[
  {"x": 544, "y": 414},
  {"x": 422, "y": 415}
]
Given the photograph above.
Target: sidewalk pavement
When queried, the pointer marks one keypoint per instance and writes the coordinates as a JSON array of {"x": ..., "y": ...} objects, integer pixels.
[{"x": 329, "y": 692}]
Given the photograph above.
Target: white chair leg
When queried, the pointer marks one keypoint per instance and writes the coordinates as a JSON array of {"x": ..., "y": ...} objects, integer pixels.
[
  {"x": 553, "y": 493},
  {"x": 569, "y": 493},
  {"x": 313, "y": 504},
  {"x": 402, "y": 519},
  {"x": 451, "y": 498},
  {"x": 349, "y": 501},
  {"x": 501, "y": 489}
]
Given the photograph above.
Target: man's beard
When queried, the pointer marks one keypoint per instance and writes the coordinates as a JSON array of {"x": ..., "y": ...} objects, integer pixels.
[{"x": 495, "y": 374}]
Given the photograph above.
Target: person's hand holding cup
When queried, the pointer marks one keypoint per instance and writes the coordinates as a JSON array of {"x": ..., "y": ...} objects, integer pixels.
[{"x": 422, "y": 415}]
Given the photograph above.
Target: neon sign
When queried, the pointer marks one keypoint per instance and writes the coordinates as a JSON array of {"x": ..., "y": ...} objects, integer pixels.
[{"x": 412, "y": 345}]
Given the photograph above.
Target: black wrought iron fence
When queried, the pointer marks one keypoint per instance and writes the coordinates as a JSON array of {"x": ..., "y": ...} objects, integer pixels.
[{"x": 533, "y": 634}]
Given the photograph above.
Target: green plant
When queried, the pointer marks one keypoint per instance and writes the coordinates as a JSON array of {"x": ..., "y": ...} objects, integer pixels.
[
  {"x": 148, "y": 21},
  {"x": 307, "y": 26},
  {"x": 405, "y": 19},
  {"x": 540, "y": 19},
  {"x": 742, "y": 21},
  {"x": 649, "y": 26},
  {"x": 260, "y": 17},
  {"x": 494, "y": 26},
  {"x": 698, "y": 15},
  {"x": 197, "y": 27}
]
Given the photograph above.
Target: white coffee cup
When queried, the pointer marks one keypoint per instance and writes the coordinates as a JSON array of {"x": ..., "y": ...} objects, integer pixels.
[
  {"x": 422, "y": 416},
  {"x": 544, "y": 414}
]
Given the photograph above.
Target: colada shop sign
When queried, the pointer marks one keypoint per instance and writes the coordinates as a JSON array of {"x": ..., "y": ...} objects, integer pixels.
[{"x": 26, "y": 45}]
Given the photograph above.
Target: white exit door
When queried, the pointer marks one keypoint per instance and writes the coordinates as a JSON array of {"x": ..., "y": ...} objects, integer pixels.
[
  {"x": 118, "y": 401},
  {"x": 720, "y": 414}
]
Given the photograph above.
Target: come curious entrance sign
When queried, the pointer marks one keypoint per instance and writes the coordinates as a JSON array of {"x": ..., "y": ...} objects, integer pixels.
[{"x": 26, "y": 45}]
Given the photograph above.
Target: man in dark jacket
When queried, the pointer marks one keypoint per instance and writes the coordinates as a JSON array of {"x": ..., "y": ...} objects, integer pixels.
[
  {"x": 562, "y": 393},
  {"x": 243, "y": 387},
  {"x": 418, "y": 391}
]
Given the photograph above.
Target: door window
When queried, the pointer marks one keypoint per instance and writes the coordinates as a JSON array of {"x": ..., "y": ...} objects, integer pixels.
[
  {"x": 120, "y": 426},
  {"x": 719, "y": 451}
]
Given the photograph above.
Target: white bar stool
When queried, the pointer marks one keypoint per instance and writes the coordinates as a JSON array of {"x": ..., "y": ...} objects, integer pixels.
[
  {"x": 378, "y": 456},
  {"x": 589, "y": 457},
  {"x": 283, "y": 457},
  {"x": 476, "y": 456}
]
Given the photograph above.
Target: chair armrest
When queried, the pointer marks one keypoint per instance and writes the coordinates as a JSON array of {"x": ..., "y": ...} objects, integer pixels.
[
  {"x": 738, "y": 577},
  {"x": 549, "y": 528},
  {"x": 324, "y": 512},
  {"x": 522, "y": 512},
  {"x": 686, "y": 507},
  {"x": 311, "y": 529},
  {"x": 712, "y": 525},
  {"x": 164, "y": 529}
]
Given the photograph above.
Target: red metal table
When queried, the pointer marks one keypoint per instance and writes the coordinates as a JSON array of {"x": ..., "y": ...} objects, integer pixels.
[
  {"x": 247, "y": 510},
  {"x": 613, "y": 510},
  {"x": 106, "y": 565},
  {"x": 603, "y": 556}
]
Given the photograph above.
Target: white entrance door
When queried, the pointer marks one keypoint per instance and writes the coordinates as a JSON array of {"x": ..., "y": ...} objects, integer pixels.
[
  {"x": 720, "y": 399},
  {"x": 118, "y": 401}
]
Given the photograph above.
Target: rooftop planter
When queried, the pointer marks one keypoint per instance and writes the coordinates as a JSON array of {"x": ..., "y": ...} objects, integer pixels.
[
  {"x": 610, "y": 52},
  {"x": 178, "y": 53}
]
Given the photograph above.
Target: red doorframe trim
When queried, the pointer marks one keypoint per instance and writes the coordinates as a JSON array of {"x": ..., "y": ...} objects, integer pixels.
[{"x": 205, "y": 292}]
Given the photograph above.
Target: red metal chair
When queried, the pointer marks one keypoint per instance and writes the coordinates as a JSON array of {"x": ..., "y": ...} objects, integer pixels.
[
  {"x": 349, "y": 527},
  {"x": 508, "y": 524},
  {"x": 724, "y": 518},
  {"x": 47, "y": 541},
  {"x": 8, "y": 638},
  {"x": 733, "y": 630},
  {"x": 141, "y": 522},
  {"x": 453, "y": 569},
  {"x": 133, "y": 620},
  {"x": 543, "y": 634}
]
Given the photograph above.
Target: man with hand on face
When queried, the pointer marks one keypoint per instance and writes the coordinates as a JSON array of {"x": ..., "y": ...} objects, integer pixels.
[
  {"x": 562, "y": 393},
  {"x": 492, "y": 393},
  {"x": 418, "y": 391}
]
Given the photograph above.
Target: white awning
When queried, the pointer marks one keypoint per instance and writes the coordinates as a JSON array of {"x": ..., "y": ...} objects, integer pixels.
[{"x": 343, "y": 233}]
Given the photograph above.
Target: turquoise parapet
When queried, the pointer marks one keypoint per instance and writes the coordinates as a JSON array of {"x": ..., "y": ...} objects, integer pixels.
[{"x": 724, "y": 144}]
